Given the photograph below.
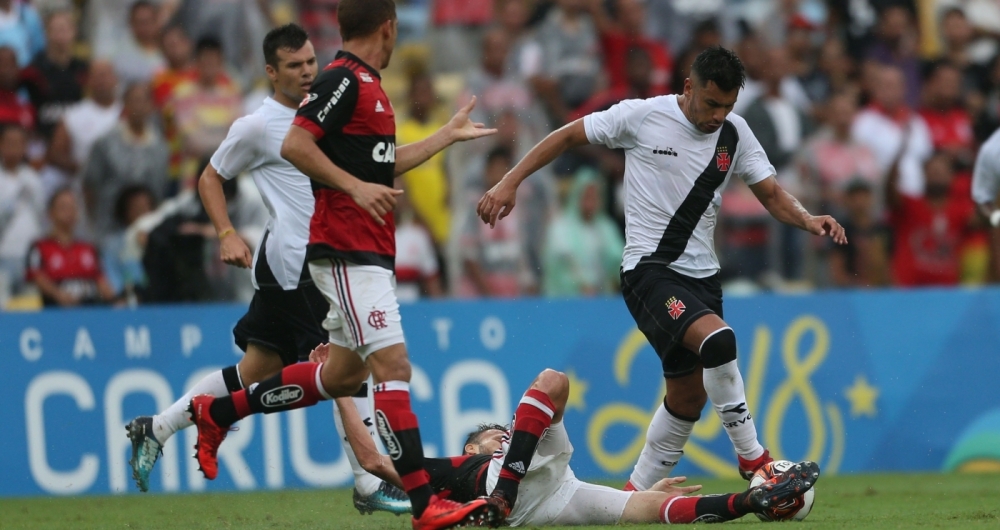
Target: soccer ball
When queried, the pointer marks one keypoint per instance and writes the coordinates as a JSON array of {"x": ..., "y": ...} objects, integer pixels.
[{"x": 793, "y": 510}]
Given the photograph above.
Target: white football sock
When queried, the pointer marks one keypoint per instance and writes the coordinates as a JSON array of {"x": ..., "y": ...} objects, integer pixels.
[
  {"x": 176, "y": 417},
  {"x": 364, "y": 482},
  {"x": 724, "y": 386},
  {"x": 665, "y": 441}
]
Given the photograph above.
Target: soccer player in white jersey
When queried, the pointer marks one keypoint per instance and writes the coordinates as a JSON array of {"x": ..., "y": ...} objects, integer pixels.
[
  {"x": 285, "y": 319},
  {"x": 680, "y": 150},
  {"x": 985, "y": 187},
  {"x": 550, "y": 493}
]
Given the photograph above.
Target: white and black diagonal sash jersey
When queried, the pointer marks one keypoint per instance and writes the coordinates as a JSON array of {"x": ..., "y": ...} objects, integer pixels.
[{"x": 674, "y": 177}]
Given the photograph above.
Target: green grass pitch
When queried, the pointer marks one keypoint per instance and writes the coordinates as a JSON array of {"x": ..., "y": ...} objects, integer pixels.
[{"x": 856, "y": 502}]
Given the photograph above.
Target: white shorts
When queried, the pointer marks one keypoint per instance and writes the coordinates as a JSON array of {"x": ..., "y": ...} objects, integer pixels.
[
  {"x": 364, "y": 315},
  {"x": 550, "y": 494}
]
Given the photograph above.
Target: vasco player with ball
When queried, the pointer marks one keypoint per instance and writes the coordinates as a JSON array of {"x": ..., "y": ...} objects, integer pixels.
[
  {"x": 344, "y": 139},
  {"x": 669, "y": 269}
]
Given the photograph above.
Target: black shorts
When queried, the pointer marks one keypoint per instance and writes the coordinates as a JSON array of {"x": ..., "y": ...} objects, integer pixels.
[
  {"x": 289, "y": 323},
  {"x": 664, "y": 303}
]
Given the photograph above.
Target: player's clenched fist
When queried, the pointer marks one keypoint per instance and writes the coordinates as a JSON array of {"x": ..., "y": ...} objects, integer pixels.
[
  {"x": 234, "y": 251},
  {"x": 498, "y": 202},
  {"x": 375, "y": 199}
]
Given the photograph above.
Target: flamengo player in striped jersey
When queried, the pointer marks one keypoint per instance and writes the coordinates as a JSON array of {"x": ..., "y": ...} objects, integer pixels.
[
  {"x": 550, "y": 493},
  {"x": 343, "y": 138},
  {"x": 285, "y": 319},
  {"x": 680, "y": 151}
]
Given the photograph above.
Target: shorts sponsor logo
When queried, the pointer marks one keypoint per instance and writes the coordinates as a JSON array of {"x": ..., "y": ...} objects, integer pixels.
[
  {"x": 282, "y": 396},
  {"x": 388, "y": 437},
  {"x": 377, "y": 319},
  {"x": 675, "y": 308}
]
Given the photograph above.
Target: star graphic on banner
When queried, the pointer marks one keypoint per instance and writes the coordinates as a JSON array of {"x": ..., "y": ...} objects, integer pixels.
[
  {"x": 577, "y": 388},
  {"x": 862, "y": 396}
]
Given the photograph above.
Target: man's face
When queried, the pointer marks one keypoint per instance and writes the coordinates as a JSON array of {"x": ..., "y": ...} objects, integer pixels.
[
  {"x": 489, "y": 443},
  {"x": 64, "y": 212},
  {"x": 840, "y": 111},
  {"x": 946, "y": 86},
  {"x": 143, "y": 23},
  {"x": 177, "y": 47},
  {"x": 891, "y": 89},
  {"x": 138, "y": 104},
  {"x": 61, "y": 31},
  {"x": 9, "y": 72},
  {"x": 638, "y": 70},
  {"x": 632, "y": 16},
  {"x": 295, "y": 73},
  {"x": 209, "y": 64},
  {"x": 894, "y": 23},
  {"x": 495, "y": 47},
  {"x": 103, "y": 80},
  {"x": 13, "y": 144},
  {"x": 709, "y": 104},
  {"x": 956, "y": 30}
]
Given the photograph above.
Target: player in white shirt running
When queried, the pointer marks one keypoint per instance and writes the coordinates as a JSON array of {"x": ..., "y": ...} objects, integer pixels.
[
  {"x": 985, "y": 187},
  {"x": 680, "y": 151},
  {"x": 285, "y": 319}
]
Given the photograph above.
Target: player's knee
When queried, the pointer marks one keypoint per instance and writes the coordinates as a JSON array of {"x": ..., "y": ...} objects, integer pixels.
[
  {"x": 342, "y": 386},
  {"x": 685, "y": 405},
  {"x": 554, "y": 383},
  {"x": 719, "y": 348}
]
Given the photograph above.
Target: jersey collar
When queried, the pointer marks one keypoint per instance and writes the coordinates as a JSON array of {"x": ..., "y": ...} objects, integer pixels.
[{"x": 348, "y": 55}]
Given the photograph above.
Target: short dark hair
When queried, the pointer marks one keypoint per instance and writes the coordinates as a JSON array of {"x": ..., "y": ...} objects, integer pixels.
[
  {"x": 139, "y": 4},
  {"x": 207, "y": 44},
  {"x": 60, "y": 191},
  {"x": 290, "y": 37},
  {"x": 500, "y": 152},
  {"x": 473, "y": 437},
  {"x": 720, "y": 66},
  {"x": 936, "y": 66},
  {"x": 360, "y": 18},
  {"x": 125, "y": 196}
]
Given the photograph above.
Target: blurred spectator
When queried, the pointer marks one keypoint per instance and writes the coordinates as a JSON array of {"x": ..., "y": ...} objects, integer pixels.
[
  {"x": 832, "y": 159},
  {"x": 417, "y": 271},
  {"x": 55, "y": 77},
  {"x": 427, "y": 184},
  {"x": 14, "y": 106},
  {"x": 681, "y": 24},
  {"x": 881, "y": 126},
  {"x": 571, "y": 68},
  {"x": 949, "y": 123},
  {"x": 457, "y": 31},
  {"x": 494, "y": 261},
  {"x": 82, "y": 124},
  {"x": 621, "y": 34},
  {"x": 495, "y": 89},
  {"x": 21, "y": 30},
  {"x": 895, "y": 44},
  {"x": 833, "y": 72},
  {"x": 203, "y": 108},
  {"x": 66, "y": 270},
  {"x": 124, "y": 272},
  {"x": 756, "y": 59},
  {"x": 584, "y": 246},
  {"x": 864, "y": 260},
  {"x": 22, "y": 205},
  {"x": 133, "y": 153},
  {"x": 137, "y": 57},
  {"x": 524, "y": 58},
  {"x": 105, "y": 22},
  {"x": 928, "y": 230},
  {"x": 639, "y": 75},
  {"x": 957, "y": 35},
  {"x": 319, "y": 19},
  {"x": 177, "y": 51}
]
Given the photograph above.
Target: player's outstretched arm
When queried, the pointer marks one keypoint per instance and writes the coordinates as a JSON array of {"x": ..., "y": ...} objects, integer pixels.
[
  {"x": 364, "y": 447},
  {"x": 787, "y": 209},
  {"x": 232, "y": 249},
  {"x": 498, "y": 202},
  {"x": 459, "y": 129},
  {"x": 301, "y": 150}
]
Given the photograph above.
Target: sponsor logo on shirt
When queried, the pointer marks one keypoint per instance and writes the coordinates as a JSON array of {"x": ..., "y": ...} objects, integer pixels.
[
  {"x": 308, "y": 99},
  {"x": 365, "y": 78},
  {"x": 384, "y": 152},
  {"x": 337, "y": 94},
  {"x": 668, "y": 151},
  {"x": 378, "y": 106}
]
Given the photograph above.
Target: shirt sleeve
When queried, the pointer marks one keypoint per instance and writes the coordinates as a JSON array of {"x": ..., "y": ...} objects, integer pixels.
[
  {"x": 329, "y": 107},
  {"x": 242, "y": 149},
  {"x": 616, "y": 127},
  {"x": 985, "y": 177},
  {"x": 751, "y": 162}
]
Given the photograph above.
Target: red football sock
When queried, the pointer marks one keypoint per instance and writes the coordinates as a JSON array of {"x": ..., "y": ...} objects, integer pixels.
[{"x": 398, "y": 428}]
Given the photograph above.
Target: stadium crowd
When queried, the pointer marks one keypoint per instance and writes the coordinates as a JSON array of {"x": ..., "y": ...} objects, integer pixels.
[{"x": 870, "y": 110}]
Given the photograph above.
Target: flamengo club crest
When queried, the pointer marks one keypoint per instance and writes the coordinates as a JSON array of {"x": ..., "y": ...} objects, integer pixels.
[
  {"x": 722, "y": 160},
  {"x": 675, "y": 308}
]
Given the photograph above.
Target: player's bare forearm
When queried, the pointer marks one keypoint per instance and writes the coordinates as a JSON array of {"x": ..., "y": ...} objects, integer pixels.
[
  {"x": 412, "y": 155},
  {"x": 556, "y": 143},
  {"x": 364, "y": 447},
  {"x": 300, "y": 149},
  {"x": 214, "y": 199},
  {"x": 781, "y": 204}
]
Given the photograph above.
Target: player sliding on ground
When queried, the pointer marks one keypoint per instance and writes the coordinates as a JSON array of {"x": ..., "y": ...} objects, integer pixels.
[
  {"x": 680, "y": 151},
  {"x": 525, "y": 471},
  {"x": 344, "y": 139},
  {"x": 285, "y": 319}
]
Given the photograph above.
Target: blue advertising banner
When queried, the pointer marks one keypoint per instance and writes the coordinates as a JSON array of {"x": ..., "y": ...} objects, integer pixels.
[{"x": 856, "y": 381}]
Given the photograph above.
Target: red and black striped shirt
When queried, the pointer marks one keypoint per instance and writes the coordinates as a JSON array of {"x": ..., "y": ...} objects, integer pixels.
[{"x": 350, "y": 115}]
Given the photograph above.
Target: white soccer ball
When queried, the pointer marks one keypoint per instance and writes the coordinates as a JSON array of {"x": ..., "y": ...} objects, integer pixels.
[{"x": 794, "y": 510}]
